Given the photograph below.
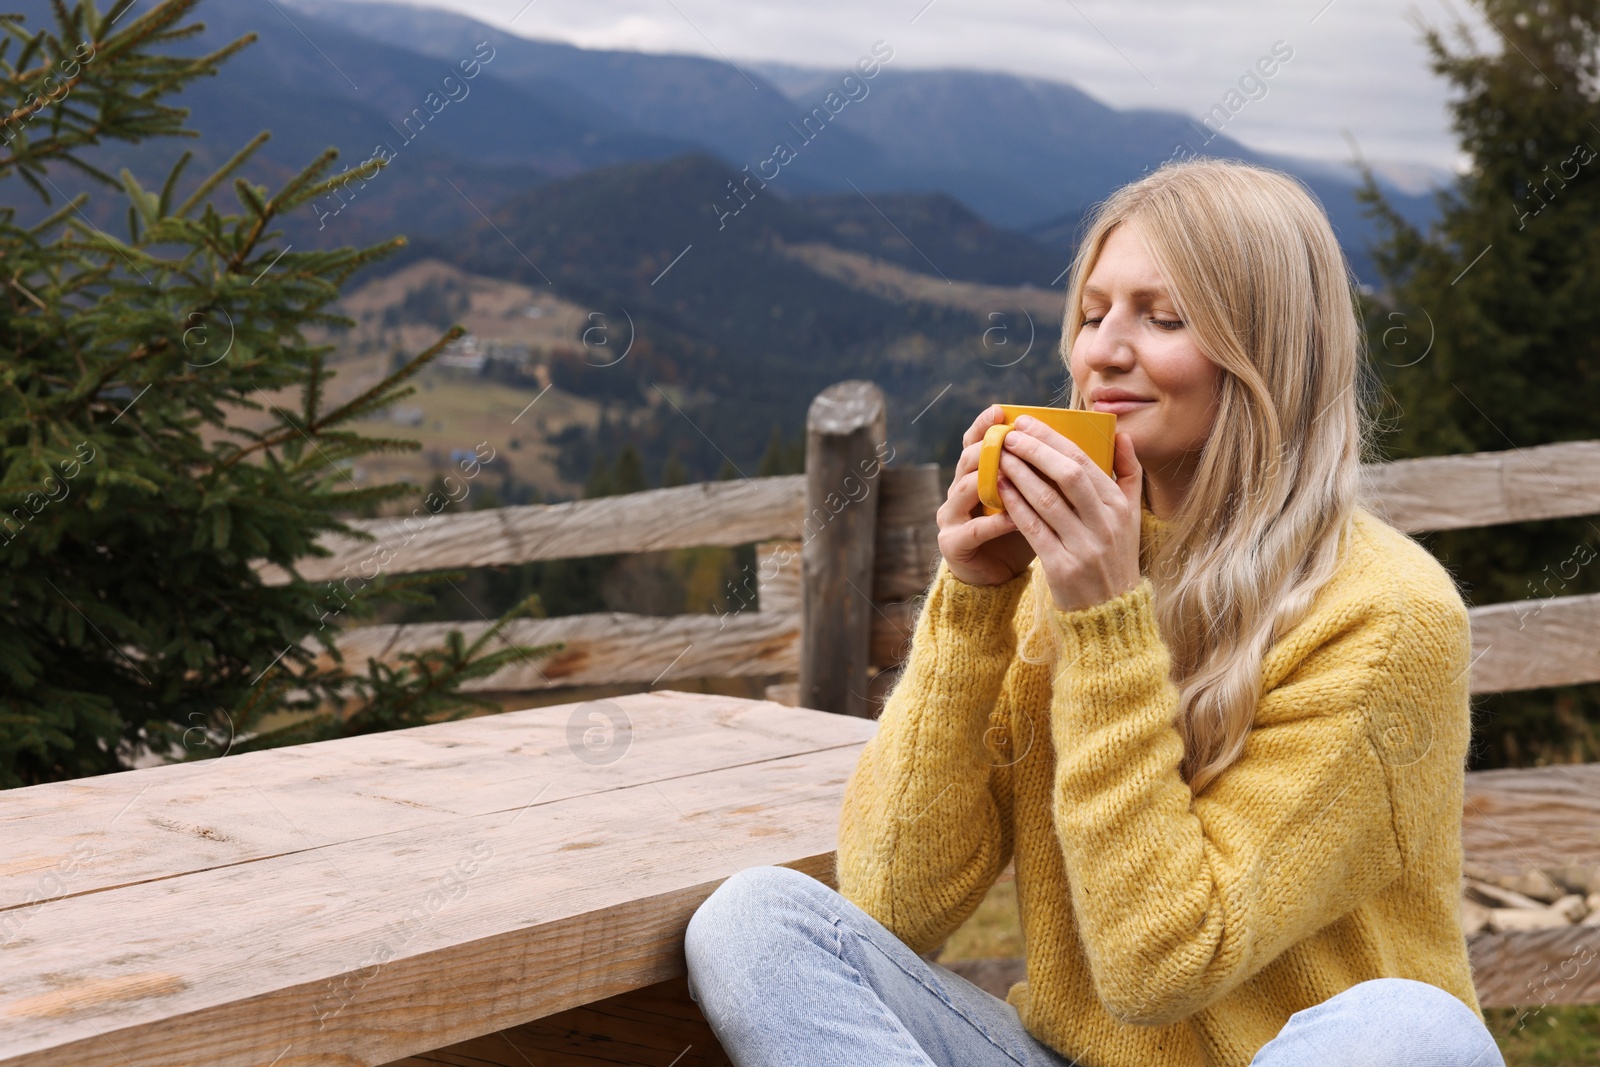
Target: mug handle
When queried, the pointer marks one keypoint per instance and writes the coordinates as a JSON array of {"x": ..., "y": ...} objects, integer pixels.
[{"x": 989, "y": 468}]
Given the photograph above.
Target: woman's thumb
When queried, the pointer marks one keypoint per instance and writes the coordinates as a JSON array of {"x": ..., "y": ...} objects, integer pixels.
[{"x": 1125, "y": 465}]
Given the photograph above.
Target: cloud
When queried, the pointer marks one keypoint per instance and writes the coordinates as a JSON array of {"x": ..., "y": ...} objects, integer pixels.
[{"x": 1360, "y": 65}]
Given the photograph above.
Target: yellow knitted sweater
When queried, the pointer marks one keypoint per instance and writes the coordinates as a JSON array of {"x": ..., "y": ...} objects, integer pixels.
[{"x": 1161, "y": 928}]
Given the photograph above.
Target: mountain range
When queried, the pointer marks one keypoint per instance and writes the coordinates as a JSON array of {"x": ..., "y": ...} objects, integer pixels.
[
  {"x": 1023, "y": 153},
  {"x": 653, "y": 187}
]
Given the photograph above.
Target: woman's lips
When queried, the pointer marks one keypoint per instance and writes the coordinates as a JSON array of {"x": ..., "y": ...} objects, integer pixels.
[{"x": 1121, "y": 407}]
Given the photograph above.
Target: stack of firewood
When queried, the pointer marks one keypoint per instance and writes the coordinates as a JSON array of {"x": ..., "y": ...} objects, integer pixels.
[{"x": 1535, "y": 899}]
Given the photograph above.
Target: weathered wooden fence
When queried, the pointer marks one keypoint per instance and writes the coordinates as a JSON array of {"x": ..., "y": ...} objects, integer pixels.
[
  {"x": 851, "y": 543},
  {"x": 843, "y": 551},
  {"x": 860, "y": 529}
]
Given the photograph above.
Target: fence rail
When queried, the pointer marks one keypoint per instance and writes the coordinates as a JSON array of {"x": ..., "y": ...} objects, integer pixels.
[
  {"x": 1527, "y": 644},
  {"x": 685, "y": 516},
  {"x": 1489, "y": 488}
]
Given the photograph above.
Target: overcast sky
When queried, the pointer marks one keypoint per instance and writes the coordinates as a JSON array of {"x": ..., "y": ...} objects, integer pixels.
[{"x": 1357, "y": 66}]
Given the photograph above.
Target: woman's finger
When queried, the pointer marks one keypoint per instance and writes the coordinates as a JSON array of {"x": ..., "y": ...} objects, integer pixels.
[
  {"x": 975, "y": 533},
  {"x": 969, "y": 530},
  {"x": 963, "y": 502},
  {"x": 1039, "y": 497},
  {"x": 968, "y": 460},
  {"x": 959, "y": 501},
  {"x": 1072, "y": 477},
  {"x": 1129, "y": 471},
  {"x": 1033, "y": 527},
  {"x": 1054, "y": 440},
  {"x": 986, "y": 418}
]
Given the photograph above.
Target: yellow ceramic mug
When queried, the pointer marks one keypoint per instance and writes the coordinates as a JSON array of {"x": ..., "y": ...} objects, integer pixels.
[{"x": 1093, "y": 431}]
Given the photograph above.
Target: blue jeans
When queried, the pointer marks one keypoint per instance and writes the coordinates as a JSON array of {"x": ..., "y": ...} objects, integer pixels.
[{"x": 788, "y": 972}]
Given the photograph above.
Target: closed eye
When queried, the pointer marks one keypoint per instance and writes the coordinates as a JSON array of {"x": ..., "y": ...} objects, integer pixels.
[{"x": 1167, "y": 325}]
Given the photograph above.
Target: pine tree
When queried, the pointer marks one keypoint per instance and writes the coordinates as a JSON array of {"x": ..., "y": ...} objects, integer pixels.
[
  {"x": 673, "y": 471},
  {"x": 628, "y": 475},
  {"x": 598, "y": 483},
  {"x": 782, "y": 457},
  {"x": 138, "y": 497},
  {"x": 1487, "y": 332},
  {"x": 772, "y": 460}
]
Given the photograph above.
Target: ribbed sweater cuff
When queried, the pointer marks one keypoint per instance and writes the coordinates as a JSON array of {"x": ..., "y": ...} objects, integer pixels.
[
  {"x": 1112, "y": 634},
  {"x": 979, "y": 614}
]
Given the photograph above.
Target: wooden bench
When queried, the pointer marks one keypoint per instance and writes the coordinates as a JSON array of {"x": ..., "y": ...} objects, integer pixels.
[{"x": 370, "y": 899}]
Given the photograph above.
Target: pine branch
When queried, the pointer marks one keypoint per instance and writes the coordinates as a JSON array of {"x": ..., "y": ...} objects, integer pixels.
[
  {"x": 313, "y": 389},
  {"x": 141, "y": 29},
  {"x": 330, "y": 185},
  {"x": 56, "y": 217},
  {"x": 375, "y": 396},
  {"x": 237, "y": 160},
  {"x": 267, "y": 211}
]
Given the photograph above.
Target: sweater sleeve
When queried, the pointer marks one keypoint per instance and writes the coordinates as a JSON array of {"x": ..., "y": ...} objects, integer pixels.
[
  {"x": 1179, "y": 899},
  {"x": 925, "y": 826}
]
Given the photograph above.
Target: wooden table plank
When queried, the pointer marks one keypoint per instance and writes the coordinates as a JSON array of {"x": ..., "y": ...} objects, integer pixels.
[
  {"x": 90, "y": 834},
  {"x": 368, "y": 951},
  {"x": 404, "y": 938}
]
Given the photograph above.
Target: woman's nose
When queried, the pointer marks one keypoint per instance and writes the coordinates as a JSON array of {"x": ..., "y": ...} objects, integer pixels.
[{"x": 1111, "y": 343}]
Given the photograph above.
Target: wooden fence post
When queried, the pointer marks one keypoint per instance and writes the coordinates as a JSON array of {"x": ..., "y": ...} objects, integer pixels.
[{"x": 846, "y": 430}]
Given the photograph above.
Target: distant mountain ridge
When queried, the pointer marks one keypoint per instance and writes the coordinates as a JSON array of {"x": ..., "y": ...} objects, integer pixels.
[{"x": 1023, "y": 152}]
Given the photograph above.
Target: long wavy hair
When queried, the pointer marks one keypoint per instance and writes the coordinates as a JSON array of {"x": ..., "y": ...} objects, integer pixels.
[{"x": 1258, "y": 277}]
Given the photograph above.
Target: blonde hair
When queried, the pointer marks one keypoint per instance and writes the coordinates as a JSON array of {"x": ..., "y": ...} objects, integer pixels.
[{"x": 1258, "y": 277}]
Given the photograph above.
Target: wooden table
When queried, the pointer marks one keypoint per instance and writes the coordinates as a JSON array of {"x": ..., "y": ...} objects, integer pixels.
[{"x": 368, "y": 899}]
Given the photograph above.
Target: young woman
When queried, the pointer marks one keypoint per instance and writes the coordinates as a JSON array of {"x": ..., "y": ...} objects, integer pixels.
[{"x": 1213, "y": 708}]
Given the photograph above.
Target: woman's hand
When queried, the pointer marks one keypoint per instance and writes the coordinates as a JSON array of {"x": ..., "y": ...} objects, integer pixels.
[
  {"x": 1083, "y": 524},
  {"x": 979, "y": 549}
]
